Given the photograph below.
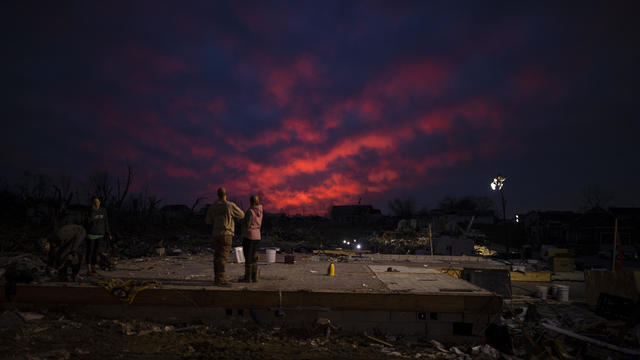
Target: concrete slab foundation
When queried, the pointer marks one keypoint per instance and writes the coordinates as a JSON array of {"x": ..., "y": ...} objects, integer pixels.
[{"x": 408, "y": 299}]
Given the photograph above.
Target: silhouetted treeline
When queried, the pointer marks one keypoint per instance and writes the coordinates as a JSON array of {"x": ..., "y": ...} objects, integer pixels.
[{"x": 36, "y": 204}]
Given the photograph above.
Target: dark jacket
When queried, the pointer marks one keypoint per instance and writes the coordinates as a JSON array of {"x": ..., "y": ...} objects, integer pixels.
[
  {"x": 65, "y": 245},
  {"x": 98, "y": 223}
]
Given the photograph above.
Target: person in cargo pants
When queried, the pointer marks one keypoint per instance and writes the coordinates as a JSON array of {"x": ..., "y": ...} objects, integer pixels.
[
  {"x": 221, "y": 215},
  {"x": 250, "y": 238}
]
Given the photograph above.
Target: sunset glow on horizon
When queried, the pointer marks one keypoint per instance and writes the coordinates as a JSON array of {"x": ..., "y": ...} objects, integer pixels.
[{"x": 315, "y": 104}]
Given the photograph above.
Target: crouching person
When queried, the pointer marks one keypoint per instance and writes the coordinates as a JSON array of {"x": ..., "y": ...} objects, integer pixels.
[
  {"x": 64, "y": 251},
  {"x": 250, "y": 239}
]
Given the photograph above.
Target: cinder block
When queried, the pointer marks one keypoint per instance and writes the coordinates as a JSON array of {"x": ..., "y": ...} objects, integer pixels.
[
  {"x": 479, "y": 329},
  {"x": 436, "y": 328},
  {"x": 403, "y": 316},
  {"x": 453, "y": 317},
  {"x": 475, "y": 318},
  {"x": 410, "y": 328},
  {"x": 359, "y": 316},
  {"x": 360, "y": 327},
  {"x": 264, "y": 315},
  {"x": 302, "y": 316}
]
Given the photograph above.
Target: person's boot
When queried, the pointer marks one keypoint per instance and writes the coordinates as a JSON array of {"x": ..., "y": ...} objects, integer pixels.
[
  {"x": 254, "y": 272},
  {"x": 221, "y": 281},
  {"x": 91, "y": 271},
  {"x": 247, "y": 274}
]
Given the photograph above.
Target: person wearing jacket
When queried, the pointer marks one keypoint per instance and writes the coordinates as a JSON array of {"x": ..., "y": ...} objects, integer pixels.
[
  {"x": 250, "y": 238},
  {"x": 97, "y": 230},
  {"x": 221, "y": 215},
  {"x": 64, "y": 251}
]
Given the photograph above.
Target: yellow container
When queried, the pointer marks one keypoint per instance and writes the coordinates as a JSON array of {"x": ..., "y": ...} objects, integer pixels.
[{"x": 332, "y": 270}]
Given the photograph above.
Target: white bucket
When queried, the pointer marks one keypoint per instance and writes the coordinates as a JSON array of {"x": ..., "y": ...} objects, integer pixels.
[
  {"x": 542, "y": 292},
  {"x": 271, "y": 255},
  {"x": 563, "y": 293},
  {"x": 239, "y": 254}
]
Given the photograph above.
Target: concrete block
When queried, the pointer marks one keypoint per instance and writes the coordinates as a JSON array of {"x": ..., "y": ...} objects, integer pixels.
[
  {"x": 403, "y": 316},
  {"x": 436, "y": 328},
  {"x": 265, "y": 316},
  {"x": 410, "y": 328},
  {"x": 453, "y": 317},
  {"x": 479, "y": 329},
  {"x": 475, "y": 318},
  {"x": 302, "y": 316},
  {"x": 360, "y": 327},
  {"x": 358, "y": 316}
]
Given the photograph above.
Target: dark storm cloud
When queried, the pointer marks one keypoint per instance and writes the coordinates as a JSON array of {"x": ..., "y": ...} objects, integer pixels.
[{"x": 314, "y": 103}]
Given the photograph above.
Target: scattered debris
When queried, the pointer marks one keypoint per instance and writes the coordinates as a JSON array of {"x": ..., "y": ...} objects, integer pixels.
[
  {"x": 127, "y": 290},
  {"x": 378, "y": 340},
  {"x": 28, "y": 316}
]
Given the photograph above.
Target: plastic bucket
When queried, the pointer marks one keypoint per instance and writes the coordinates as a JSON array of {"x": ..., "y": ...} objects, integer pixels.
[
  {"x": 271, "y": 255},
  {"x": 238, "y": 254},
  {"x": 563, "y": 293},
  {"x": 542, "y": 292}
]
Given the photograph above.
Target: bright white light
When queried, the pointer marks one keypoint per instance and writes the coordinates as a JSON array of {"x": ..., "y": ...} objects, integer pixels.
[
  {"x": 348, "y": 242},
  {"x": 344, "y": 241},
  {"x": 498, "y": 182},
  {"x": 358, "y": 246}
]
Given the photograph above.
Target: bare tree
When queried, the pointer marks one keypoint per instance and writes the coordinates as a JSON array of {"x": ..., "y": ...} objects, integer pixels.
[
  {"x": 466, "y": 203},
  {"x": 100, "y": 183},
  {"x": 122, "y": 187},
  {"x": 197, "y": 202},
  {"x": 403, "y": 208}
]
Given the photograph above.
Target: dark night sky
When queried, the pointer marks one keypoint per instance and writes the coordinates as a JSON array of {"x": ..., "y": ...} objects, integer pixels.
[{"x": 318, "y": 102}]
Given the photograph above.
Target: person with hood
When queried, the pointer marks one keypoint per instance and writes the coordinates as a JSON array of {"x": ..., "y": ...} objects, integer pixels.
[
  {"x": 221, "y": 215},
  {"x": 250, "y": 238},
  {"x": 97, "y": 231}
]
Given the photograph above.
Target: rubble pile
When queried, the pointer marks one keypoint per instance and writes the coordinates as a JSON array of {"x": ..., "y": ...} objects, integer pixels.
[
  {"x": 64, "y": 335},
  {"x": 397, "y": 242},
  {"x": 547, "y": 329}
]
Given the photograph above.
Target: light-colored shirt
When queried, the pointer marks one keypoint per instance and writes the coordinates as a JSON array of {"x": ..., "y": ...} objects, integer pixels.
[{"x": 221, "y": 215}]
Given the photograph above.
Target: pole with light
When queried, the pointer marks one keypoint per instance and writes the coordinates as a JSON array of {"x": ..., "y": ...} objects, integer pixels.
[{"x": 497, "y": 184}]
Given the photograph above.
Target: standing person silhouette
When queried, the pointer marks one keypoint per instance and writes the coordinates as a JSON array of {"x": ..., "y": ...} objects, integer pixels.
[
  {"x": 97, "y": 230},
  {"x": 221, "y": 215},
  {"x": 250, "y": 238}
]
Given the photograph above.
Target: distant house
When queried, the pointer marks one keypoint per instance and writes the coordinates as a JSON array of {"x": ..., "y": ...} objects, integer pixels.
[
  {"x": 548, "y": 227},
  {"x": 594, "y": 230},
  {"x": 355, "y": 214}
]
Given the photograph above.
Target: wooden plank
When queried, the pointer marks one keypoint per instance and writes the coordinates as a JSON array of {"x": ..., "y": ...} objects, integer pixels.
[
  {"x": 534, "y": 276},
  {"x": 625, "y": 284}
]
